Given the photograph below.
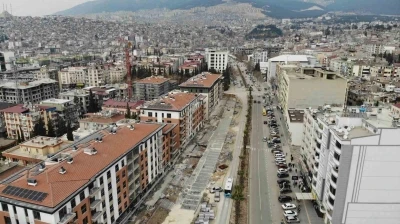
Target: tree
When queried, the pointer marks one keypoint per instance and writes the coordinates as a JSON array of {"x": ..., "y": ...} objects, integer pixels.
[
  {"x": 134, "y": 115},
  {"x": 365, "y": 33},
  {"x": 169, "y": 70},
  {"x": 212, "y": 70},
  {"x": 50, "y": 129},
  {"x": 384, "y": 55},
  {"x": 62, "y": 128},
  {"x": 70, "y": 136},
  {"x": 39, "y": 129},
  {"x": 19, "y": 138},
  {"x": 257, "y": 67},
  {"x": 128, "y": 111},
  {"x": 92, "y": 104}
]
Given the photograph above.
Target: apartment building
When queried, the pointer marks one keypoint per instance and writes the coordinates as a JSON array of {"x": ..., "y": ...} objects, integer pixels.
[
  {"x": 3, "y": 129},
  {"x": 46, "y": 73},
  {"x": 34, "y": 150},
  {"x": 217, "y": 59},
  {"x": 207, "y": 84},
  {"x": 101, "y": 120},
  {"x": 151, "y": 88},
  {"x": 96, "y": 76},
  {"x": 115, "y": 74},
  {"x": 25, "y": 91},
  {"x": 20, "y": 120},
  {"x": 300, "y": 87},
  {"x": 186, "y": 110},
  {"x": 80, "y": 94},
  {"x": 107, "y": 174},
  {"x": 65, "y": 108},
  {"x": 72, "y": 77},
  {"x": 351, "y": 160}
]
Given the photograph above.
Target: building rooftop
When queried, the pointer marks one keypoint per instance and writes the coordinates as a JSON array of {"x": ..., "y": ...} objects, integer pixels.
[
  {"x": 153, "y": 80},
  {"x": 202, "y": 80},
  {"x": 55, "y": 101},
  {"x": 284, "y": 58},
  {"x": 174, "y": 100},
  {"x": 75, "y": 92},
  {"x": 26, "y": 85},
  {"x": 102, "y": 118},
  {"x": 16, "y": 109},
  {"x": 84, "y": 168},
  {"x": 296, "y": 116},
  {"x": 112, "y": 103}
]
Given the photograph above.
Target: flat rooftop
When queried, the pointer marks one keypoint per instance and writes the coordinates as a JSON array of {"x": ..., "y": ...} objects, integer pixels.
[
  {"x": 26, "y": 85},
  {"x": 296, "y": 116},
  {"x": 153, "y": 80},
  {"x": 56, "y": 101},
  {"x": 203, "y": 80},
  {"x": 174, "y": 101},
  {"x": 82, "y": 170}
]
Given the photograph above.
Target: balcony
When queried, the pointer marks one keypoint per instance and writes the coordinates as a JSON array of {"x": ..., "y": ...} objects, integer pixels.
[
  {"x": 173, "y": 144},
  {"x": 96, "y": 216},
  {"x": 317, "y": 159},
  {"x": 329, "y": 214},
  {"x": 67, "y": 218},
  {"x": 332, "y": 195},
  {"x": 330, "y": 202},
  {"x": 338, "y": 150},
  {"x": 93, "y": 191},
  {"x": 94, "y": 204},
  {"x": 317, "y": 150},
  {"x": 335, "y": 171},
  {"x": 333, "y": 184},
  {"x": 336, "y": 159},
  {"x": 182, "y": 124}
]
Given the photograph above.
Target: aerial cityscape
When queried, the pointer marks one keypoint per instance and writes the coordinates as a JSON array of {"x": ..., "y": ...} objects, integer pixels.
[{"x": 200, "y": 112}]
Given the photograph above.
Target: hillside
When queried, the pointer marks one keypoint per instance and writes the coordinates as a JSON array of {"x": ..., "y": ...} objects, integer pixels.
[
  {"x": 273, "y": 8},
  {"x": 264, "y": 32}
]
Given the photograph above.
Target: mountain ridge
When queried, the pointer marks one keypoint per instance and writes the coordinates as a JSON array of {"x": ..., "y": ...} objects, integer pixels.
[{"x": 273, "y": 8}]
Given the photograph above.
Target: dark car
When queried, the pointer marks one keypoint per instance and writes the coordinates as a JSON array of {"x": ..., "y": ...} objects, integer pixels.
[
  {"x": 284, "y": 199},
  {"x": 283, "y": 166},
  {"x": 273, "y": 125},
  {"x": 282, "y": 175},
  {"x": 265, "y": 122},
  {"x": 284, "y": 185},
  {"x": 276, "y": 140},
  {"x": 255, "y": 101}
]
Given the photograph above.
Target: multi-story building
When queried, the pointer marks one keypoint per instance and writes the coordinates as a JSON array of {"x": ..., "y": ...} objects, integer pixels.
[
  {"x": 81, "y": 95},
  {"x": 351, "y": 159},
  {"x": 301, "y": 87},
  {"x": 72, "y": 77},
  {"x": 302, "y": 60},
  {"x": 20, "y": 120},
  {"x": 217, "y": 59},
  {"x": 207, "y": 84},
  {"x": 3, "y": 129},
  {"x": 96, "y": 76},
  {"x": 151, "y": 88},
  {"x": 96, "y": 180},
  {"x": 6, "y": 60},
  {"x": 103, "y": 120},
  {"x": 34, "y": 150},
  {"x": 115, "y": 74},
  {"x": 184, "y": 109},
  {"x": 25, "y": 91},
  {"x": 69, "y": 111},
  {"x": 46, "y": 73}
]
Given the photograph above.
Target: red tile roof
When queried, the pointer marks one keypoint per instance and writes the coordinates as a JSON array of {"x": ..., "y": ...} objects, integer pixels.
[
  {"x": 153, "y": 80},
  {"x": 122, "y": 104},
  {"x": 176, "y": 101},
  {"x": 84, "y": 167},
  {"x": 202, "y": 80},
  {"x": 16, "y": 109}
]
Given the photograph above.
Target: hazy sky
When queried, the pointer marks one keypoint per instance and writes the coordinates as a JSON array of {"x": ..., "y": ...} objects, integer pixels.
[{"x": 38, "y": 7}]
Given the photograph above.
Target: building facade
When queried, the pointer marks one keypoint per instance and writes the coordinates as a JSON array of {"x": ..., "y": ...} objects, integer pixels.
[
  {"x": 72, "y": 77},
  {"x": 207, "y": 84},
  {"x": 217, "y": 59},
  {"x": 81, "y": 95},
  {"x": 151, "y": 88},
  {"x": 106, "y": 175}
]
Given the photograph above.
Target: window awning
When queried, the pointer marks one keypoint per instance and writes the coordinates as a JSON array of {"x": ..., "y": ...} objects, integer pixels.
[{"x": 305, "y": 196}]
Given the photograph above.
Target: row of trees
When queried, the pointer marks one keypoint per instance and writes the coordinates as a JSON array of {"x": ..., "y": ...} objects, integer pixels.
[{"x": 389, "y": 57}]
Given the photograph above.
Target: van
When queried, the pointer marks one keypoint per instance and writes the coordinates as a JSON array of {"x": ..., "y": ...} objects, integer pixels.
[{"x": 217, "y": 196}]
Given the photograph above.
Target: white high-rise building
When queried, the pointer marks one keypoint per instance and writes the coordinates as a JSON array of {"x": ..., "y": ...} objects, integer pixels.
[
  {"x": 352, "y": 164},
  {"x": 217, "y": 59},
  {"x": 303, "y": 60}
]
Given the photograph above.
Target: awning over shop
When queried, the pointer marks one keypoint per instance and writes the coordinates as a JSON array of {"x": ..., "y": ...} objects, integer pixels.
[{"x": 304, "y": 196}]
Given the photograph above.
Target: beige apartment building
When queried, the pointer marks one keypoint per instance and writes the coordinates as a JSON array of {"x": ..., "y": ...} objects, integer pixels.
[
  {"x": 303, "y": 87},
  {"x": 72, "y": 76},
  {"x": 151, "y": 88}
]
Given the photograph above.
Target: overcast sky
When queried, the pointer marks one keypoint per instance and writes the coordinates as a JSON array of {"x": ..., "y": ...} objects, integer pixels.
[{"x": 38, "y": 7}]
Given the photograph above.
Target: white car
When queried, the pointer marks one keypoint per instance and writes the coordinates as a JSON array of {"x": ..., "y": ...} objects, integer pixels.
[
  {"x": 289, "y": 213},
  {"x": 288, "y": 206},
  {"x": 278, "y": 155},
  {"x": 280, "y": 159},
  {"x": 281, "y": 170},
  {"x": 292, "y": 219}
]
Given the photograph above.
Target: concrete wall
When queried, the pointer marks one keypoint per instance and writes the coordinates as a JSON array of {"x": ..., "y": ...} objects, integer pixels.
[{"x": 304, "y": 93}]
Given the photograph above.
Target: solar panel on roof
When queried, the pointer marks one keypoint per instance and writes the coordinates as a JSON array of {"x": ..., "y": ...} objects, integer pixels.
[{"x": 25, "y": 193}]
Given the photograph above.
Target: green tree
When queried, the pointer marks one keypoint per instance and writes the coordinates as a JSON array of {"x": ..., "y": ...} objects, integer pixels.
[
  {"x": 62, "y": 128},
  {"x": 134, "y": 116},
  {"x": 70, "y": 135},
  {"x": 257, "y": 67},
  {"x": 19, "y": 138},
  {"x": 92, "y": 103},
  {"x": 39, "y": 129},
  {"x": 50, "y": 128},
  {"x": 128, "y": 111}
]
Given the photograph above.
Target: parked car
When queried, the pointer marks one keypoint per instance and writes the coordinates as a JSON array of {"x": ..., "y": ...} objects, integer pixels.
[
  {"x": 215, "y": 189},
  {"x": 288, "y": 206},
  {"x": 283, "y": 166},
  {"x": 284, "y": 185},
  {"x": 289, "y": 213},
  {"x": 292, "y": 219},
  {"x": 284, "y": 198},
  {"x": 282, "y": 175},
  {"x": 265, "y": 122},
  {"x": 265, "y": 139},
  {"x": 276, "y": 140},
  {"x": 282, "y": 170},
  {"x": 283, "y": 181},
  {"x": 285, "y": 190},
  {"x": 278, "y": 155},
  {"x": 280, "y": 160},
  {"x": 279, "y": 163}
]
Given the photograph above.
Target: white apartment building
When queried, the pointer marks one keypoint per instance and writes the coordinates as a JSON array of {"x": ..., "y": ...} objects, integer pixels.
[
  {"x": 6, "y": 60},
  {"x": 25, "y": 91},
  {"x": 260, "y": 57},
  {"x": 217, "y": 59},
  {"x": 82, "y": 96},
  {"x": 115, "y": 74},
  {"x": 96, "y": 76},
  {"x": 299, "y": 87},
  {"x": 302, "y": 60},
  {"x": 96, "y": 180},
  {"x": 352, "y": 164},
  {"x": 72, "y": 76},
  {"x": 46, "y": 73},
  {"x": 376, "y": 49}
]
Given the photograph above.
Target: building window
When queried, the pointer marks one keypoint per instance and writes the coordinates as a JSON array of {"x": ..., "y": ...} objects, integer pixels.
[
  {"x": 110, "y": 198},
  {"x": 108, "y": 174},
  {"x": 36, "y": 215},
  {"x": 109, "y": 186},
  {"x": 85, "y": 220},
  {"x": 120, "y": 211},
  {"x": 119, "y": 200},
  {"x": 101, "y": 180},
  {"x": 124, "y": 194},
  {"x": 82, "y": 195},
  {"x": 124, "y": 184},
  {"x": 150, "y": 114},
  {"x": 126, "y": 204},
  {"x": 122, "y": 163},
  {"x": 7, "y": 220},
  {"x": 116, "y": 168},
  {"x": 118, "y": 189},
  {"x": 168, "y": 115},
  {"x": 102, "y": 192},
  {"x": 123, "y": 173},
  {"x": 73, "y": 203},
  {"x": 112, "y": 219},
  {"x": 5, "y": 207},
  {"x": 105, "y": 215},
  {"x": 83, "y": 209}
]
